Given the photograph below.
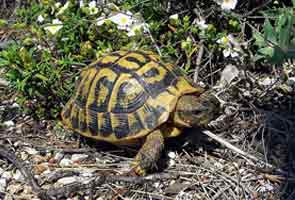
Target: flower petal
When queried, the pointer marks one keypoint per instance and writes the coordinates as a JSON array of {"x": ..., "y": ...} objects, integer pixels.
[
  {"x": 226, "y": 52},
  {"x": 229, "y": 4},
  {"x": 55, "y": 27},
  {"x": 234, "y": 54},
  {"x": 40, "y": 18}
]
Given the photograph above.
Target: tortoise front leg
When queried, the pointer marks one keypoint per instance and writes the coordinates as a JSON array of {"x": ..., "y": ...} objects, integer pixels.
[{"x": 149, "y": 153}]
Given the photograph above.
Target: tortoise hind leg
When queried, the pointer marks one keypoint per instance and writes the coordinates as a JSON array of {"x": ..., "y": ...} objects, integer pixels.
[{"x": 149, "y": 153}]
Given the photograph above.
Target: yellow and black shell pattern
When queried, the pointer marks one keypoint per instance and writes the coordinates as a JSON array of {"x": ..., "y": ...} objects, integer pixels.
[{"x": 125, "y": 95}]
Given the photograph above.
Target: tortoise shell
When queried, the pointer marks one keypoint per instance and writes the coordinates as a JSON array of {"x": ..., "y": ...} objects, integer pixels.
[{"x": 125, "y": 95}]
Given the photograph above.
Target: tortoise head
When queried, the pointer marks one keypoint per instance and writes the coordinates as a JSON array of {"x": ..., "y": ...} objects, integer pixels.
[{"x": 194, "y": 110}]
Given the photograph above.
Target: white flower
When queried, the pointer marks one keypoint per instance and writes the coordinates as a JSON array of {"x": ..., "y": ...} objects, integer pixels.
[
  {"x": 81, "y": 3},
  {"x": 55, "y": 27},
  {"x": 201, "y": 23},
  {"x": 62, "y": 9},
  {"x": 92, "y": 4},
  {"x": 231, "y": 46},
  {"x": 174, "y": 17},
  {"x": 40, "y": 19},
  {"x": 126, "y": 22},
  {"x": 230, "y": 52},
  {"x": 228, "y": 4},
  {"x": 137, "y": 28},
  {"x": 92, "y": 7},
  {"x": 224, "y": 40},
  {"x": 100, "y": 21},
  {"x": 123, "y": 21},
  {"x": 57, "y": 5},
  {"x": 233, "y": 41}
]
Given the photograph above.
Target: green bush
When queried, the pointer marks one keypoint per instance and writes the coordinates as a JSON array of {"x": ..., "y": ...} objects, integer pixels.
[
  {"x": 277, "y": 42},
  {"x": 42, "y": 66}
]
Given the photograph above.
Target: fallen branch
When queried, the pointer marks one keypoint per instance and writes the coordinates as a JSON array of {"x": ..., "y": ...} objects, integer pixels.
[{"x": 241, "y": 152}]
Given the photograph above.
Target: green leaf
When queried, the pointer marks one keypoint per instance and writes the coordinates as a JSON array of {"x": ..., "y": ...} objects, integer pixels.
[
  {"x": 4, "y": 63},
  {"x": 259, "y": 40},
  {"x": 278, "y": 55},
  {"x": 285, "y": 23},
  {"x": 267, "y": 51},
  {"x": 258, "y": 57},
  {"x": 41, "y": 77},
  {"x": 269, "y": 32},
  {"x": 3, "y": 22}
]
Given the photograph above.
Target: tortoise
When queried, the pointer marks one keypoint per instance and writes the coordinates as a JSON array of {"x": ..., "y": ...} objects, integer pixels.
[{"x": 132, "y": 96}]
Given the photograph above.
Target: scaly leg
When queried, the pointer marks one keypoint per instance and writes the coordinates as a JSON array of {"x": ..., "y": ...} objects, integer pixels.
[{"x": 149, "y": 153}]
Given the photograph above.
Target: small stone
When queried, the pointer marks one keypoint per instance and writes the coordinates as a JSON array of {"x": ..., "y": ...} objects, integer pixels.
[
  {"x": 58, "y": 156},
  {"x": 157, "y": 184},
  {"x": 65, "y": 162},
  {"x": 17, "y": 144},
  {"x": 171, "y": 163},
  {"x": 172, "y": 155},
  {"x": 24, "y": 155},
  {"x": 18, "y": 130},
  {"x": 78, "y": 157},
  {"x": 15, "y": 105},
  {"x": 3, "y": 184},
  {"x": 5, "y": 102},
  {"x": 31, "y": 151},
  {"x": 7, "y": 175},
  {"x": 27, "y": 190},
  {"x": 218, "y": 165},
  {"x": 87, "y": 174},
  {"x": 47, "y": 173},
  {"x": 86, "y": 181},
  {"x": 39, "y": 169},
  {"x": 229, "y": 73},
  {"x": 67, "y": 180},
  {"x": 267, "y": 81},
  {"x": 1, "y": 171},
  {"x": 291, "y": 81},
  {"x": 77, "y": 198},
  {"x": 10, "y": 129},
  {"x": 14, "y": 188},
  {"x": 247, "y": 94},
  {"x": 18, "y": 176},
  {"x": 3, "y": 82},
  {"x": 38, "y": 159},
  {"x": 9, "y": 123}
]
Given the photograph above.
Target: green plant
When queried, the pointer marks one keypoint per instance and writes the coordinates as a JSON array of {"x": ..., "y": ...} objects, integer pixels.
[
  {"x": 277, "y": 40},
  {"x": 44, "y": 64}
]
